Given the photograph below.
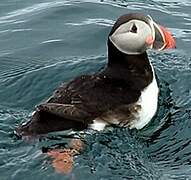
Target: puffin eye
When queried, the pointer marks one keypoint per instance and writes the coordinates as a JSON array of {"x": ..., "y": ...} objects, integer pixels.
[{"x": 133, "y": 29}]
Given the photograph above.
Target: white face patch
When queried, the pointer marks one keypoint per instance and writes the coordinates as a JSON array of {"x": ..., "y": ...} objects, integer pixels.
[{"x": 129, "y": 41}]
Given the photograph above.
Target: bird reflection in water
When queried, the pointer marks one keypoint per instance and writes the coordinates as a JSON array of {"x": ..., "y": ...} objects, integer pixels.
[{"x": 63, "y": 159}]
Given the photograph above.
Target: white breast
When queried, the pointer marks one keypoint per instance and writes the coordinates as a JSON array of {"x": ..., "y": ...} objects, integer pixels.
[{"x": 148, "y": 102}]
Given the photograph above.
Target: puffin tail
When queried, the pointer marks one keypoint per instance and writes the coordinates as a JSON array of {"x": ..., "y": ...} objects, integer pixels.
[{"x": 42, "y": 123}]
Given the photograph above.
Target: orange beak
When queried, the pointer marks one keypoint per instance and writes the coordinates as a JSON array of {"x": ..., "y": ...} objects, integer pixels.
[
  {"x": 169, "y": 41},
  {"x": 163, "y": 38}
]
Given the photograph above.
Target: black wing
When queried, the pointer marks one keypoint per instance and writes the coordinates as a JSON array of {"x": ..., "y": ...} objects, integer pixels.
[{"x": 76, "y": 104}]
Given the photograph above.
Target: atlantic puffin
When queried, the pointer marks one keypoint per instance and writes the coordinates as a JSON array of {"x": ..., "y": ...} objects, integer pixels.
[{"x": 124, "y": 94}]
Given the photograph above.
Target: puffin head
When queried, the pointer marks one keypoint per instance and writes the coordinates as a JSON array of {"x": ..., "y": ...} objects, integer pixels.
[{"x": 135, "y": 33}]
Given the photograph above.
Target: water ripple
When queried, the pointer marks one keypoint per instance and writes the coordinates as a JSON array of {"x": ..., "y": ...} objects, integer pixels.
[
  {"x": 46, "y": 43},
  {"x": 102, "y": 22},
  {"x": 36, "y": 8}
]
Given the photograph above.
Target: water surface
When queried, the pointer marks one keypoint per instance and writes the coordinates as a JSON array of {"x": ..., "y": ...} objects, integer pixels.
[{"x": 44, "y": 43}]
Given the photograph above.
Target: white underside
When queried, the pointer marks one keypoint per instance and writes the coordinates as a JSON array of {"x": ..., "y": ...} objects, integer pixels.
[
  {"x": 148, "y": 102},
  {"x": 98, "y": 125}
]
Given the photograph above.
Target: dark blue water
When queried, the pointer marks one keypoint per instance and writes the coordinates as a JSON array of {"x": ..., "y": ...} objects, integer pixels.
[{"x": 43, "y": 43}]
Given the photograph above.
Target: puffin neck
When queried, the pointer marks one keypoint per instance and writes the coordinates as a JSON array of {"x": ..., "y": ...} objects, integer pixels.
[
  {"x": 118, "y": 58},
  {"x": 131, "y": 68}
]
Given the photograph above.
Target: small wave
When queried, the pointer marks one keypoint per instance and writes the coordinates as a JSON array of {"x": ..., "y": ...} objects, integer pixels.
[
  {"x": 20, "y": 30},
  {"x": 36, "y": 8},
  {"x": 102, "y": 22},
  {"x": 36, "y": 65},
  {"x": 51, "y": 41}
]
